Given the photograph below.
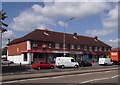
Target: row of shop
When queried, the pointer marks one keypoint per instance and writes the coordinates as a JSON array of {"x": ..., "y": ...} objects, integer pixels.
[{"x": 78, "y": 56}]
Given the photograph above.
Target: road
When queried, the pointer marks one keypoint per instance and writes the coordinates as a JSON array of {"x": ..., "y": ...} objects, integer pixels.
[
  {"x": 7, "y": 70},
  {"x": 110, "y": 76}
]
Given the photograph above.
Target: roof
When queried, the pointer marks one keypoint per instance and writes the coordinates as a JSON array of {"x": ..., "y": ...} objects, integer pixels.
[
  {"x": 115, "y": 49},
  {"x": 57, "y": 37}
]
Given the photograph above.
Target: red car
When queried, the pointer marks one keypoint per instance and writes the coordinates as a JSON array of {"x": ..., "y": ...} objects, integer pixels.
[{"x": 42, "y": 64}]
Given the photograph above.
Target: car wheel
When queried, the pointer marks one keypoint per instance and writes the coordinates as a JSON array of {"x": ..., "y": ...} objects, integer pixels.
[
  {"x": 62, "y": 66},
  {"x": 76, "y": 66},
  {"x": 39, "y": 68}
]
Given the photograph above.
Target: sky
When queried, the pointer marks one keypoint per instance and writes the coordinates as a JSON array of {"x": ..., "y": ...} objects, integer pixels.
[{"x": 91, "y": 19}]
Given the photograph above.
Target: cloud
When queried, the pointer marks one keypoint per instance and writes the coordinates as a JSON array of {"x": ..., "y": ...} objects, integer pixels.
[
  {"x": 109, "y": 22},
  {"x": 114, "y": 43},
  {"x": 53, "y": 14},
  {"x": 9, "y": 34}
]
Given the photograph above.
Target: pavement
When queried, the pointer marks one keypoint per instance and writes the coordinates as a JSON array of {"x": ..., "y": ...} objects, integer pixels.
[{"x": 50, "y": 74}]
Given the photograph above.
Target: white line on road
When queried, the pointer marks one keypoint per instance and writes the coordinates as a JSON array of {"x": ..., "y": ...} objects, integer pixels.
[
  {"x": 63, "y": 76},
  {"x": 114, "y": 76},
  {"x": 94, "y": 80}
]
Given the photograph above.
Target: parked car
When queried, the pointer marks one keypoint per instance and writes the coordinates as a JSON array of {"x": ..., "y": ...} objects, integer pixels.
[
  {"x": 6, "y": 62},
  {"x": 105, "y": 61},
  {"x": 84, "y": 63},
  {"x": 66, "y": 62},
  {"x": 42, "y": 64}
]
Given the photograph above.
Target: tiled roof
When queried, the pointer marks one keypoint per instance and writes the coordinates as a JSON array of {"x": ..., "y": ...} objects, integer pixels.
[
  {"x": 115, "y": 49},
  {"x": 57, "y": 37}
]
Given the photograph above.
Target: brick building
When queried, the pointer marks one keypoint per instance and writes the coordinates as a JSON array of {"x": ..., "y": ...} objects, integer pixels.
[{"x": 47, "y": 45}]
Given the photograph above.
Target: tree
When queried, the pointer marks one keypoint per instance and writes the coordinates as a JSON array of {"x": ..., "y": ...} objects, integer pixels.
[{"x": 3, "y": 17}]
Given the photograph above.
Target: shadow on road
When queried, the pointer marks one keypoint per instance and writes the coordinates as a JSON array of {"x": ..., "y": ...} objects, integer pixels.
[{"x": 13, "y": 68}]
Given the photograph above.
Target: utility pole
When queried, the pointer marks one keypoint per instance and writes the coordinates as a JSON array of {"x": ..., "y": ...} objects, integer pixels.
[{"x": 2, "y": 30}]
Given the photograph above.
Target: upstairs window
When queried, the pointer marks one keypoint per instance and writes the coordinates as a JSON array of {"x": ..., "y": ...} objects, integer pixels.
[
  {"x": 72, "y": 46},
  {"x": 85, "y": 47},
  {"x": 49, "y": 45},
  {"x": 105, "y": 49},
  {"x": 96, "y": 48},
  {"x": 90, "y": 48},
  {"x": 35, "y": 45},
  {"x": 78, "y": 47},
  {"x": 57, "y": 46},
  {"x": 100, "y": 49}
]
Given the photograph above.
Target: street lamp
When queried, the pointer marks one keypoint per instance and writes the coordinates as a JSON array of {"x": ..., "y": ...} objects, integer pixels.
[
  {"x": 64, "y": 33},
  {"x": 2, "y": 30}
]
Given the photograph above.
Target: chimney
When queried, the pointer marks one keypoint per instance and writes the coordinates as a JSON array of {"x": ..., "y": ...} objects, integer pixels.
[
  {"x": 8, "y": 41},
  {"x": 75, "y": 33},
  {"x": 96, "y": 38}
]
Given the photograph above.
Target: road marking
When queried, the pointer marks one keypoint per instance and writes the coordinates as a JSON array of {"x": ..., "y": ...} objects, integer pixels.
[
  {"x": 114, "y": 76},
  {"x": 99, "y": 79},
  {"x": 94, "y": 80},
  {"x": 107, "y": 71}
]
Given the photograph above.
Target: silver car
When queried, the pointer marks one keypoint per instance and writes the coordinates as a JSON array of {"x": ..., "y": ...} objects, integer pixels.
[{"x": 6, "y": 62}]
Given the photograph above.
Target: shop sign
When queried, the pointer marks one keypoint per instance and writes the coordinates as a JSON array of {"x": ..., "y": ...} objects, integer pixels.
[{"x": 114, "y": 53}]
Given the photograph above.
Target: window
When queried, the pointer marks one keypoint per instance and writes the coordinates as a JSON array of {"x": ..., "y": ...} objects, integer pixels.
[
  {"x": 72, "y": 60},
  {"x": 90, "y": 48},
  {"x": 85, "y": 47},
  {"x": 49, "y": 45},
  {"x": 25, "y": 57},
  {"x": 105, "y": 49},
  {"x": 57, "y": 46},
  {"x": 100, "y": 49},
  {"x": 35, "y": 45},
  {"x": 108, "y": 49},
  {"x": 72, "y": 46},
  {"x": 65, "y": 46},
  {"x": 78, "y": 47},
  {"x": 96, "y": 48}
]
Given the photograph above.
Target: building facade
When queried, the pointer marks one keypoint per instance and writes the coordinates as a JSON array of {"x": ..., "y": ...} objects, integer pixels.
[{"x": 46, "y": 45}]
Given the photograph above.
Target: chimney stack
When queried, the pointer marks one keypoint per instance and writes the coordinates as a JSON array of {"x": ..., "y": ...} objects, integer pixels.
[
  {"x": 8, "y": 41},
  {"x": 75, "y": 33}
]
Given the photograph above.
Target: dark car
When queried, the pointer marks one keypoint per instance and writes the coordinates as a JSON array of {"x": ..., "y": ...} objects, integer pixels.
[
  {"x": 41, "y": 64},
  {"x": 84, "y": 63}
]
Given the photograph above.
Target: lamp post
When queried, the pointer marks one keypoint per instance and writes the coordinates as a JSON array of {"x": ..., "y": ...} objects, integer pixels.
[{"x": 64, "y": 33}]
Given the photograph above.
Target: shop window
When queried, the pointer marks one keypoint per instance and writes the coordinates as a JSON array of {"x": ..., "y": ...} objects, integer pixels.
[
  {"x": 57, "y": 46},
  {"x": 25, "y": 57}
]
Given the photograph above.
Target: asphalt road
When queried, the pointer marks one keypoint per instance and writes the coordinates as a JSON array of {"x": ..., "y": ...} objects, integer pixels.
[
  {"x": 13, "y": 70},
  {"x": 110, "y": 76}
]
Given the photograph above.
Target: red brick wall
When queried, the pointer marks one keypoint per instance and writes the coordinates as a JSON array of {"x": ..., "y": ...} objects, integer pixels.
[{"x": 16, "y": 49}]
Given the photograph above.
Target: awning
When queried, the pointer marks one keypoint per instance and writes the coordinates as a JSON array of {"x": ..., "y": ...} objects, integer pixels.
[{"x": 37, "y": 51}]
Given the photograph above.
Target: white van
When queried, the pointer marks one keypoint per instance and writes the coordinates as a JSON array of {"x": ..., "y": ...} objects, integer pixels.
[
  {"x": 105, "y": 61},
  {"x": 66, "y": 62}
]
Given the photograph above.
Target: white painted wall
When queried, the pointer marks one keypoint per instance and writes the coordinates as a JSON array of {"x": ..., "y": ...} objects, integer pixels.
[
  {"x": 17, "y": 59},
  {"x": 28, "y": 45}
]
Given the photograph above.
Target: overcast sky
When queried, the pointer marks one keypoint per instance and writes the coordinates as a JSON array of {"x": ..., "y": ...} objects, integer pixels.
[{"x": 91, "y": 19}]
